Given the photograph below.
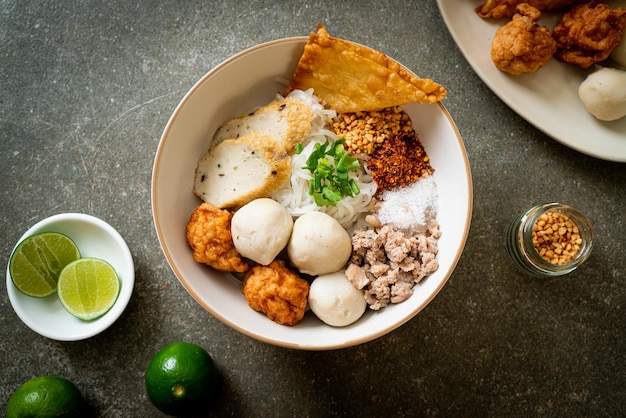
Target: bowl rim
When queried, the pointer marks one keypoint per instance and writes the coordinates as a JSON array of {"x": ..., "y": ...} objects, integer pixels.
[
  {"x": 88, "y": 329},
  {"x": 349, "y": 343}
]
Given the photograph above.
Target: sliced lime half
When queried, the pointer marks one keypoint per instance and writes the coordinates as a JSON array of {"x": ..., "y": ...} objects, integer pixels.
[
  {"x": 38, "y": 260},
  {"x": 88, "y": 288}
]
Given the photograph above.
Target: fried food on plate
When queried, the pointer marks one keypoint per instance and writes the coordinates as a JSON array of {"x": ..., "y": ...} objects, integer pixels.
[
  {"x": 588, "y": 33},
  {"x": 350, "y": 78},
  {"x": 277, "y": 292},
  {"x": 498, "y": 9},
  {"x": 208, "y": 235},
  {"x": 522, "y": 45}
]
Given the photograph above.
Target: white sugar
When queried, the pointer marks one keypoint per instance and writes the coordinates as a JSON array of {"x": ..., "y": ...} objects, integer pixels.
[{"x": 410, "y": 207}]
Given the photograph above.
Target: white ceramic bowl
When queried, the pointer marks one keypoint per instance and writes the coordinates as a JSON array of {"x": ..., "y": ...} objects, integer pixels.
[
  {"x": 94, "y": 238},
  {"x": 236, "y": 86}
]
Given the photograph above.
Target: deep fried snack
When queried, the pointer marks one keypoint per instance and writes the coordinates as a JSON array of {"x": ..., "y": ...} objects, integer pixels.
[
  {"x": 351, "y": 78},
  {"x": 588, "y": 33},
  {"x": 208, "y": 234},
  {"x": 497, "y": 9},
  {"x": 522, "y": 45},
  {"x": 277, "y": 292}
]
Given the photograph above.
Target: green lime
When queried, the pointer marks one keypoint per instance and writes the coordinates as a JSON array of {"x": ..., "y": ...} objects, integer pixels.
[
  {"x": 182, "y": 379},
  {"x": 88, "y": 288},
  {"x": 45, "y": 396},
  {"x": 37, "y": 261}
]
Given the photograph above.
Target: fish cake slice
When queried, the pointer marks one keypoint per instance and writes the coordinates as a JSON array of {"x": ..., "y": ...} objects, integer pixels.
[
  {"x": 237, "y": 171},
  {"x": 287, "y": 120}
]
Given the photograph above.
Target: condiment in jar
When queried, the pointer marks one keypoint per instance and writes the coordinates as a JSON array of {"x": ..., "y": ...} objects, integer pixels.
[{"x": 550, "y": 239}]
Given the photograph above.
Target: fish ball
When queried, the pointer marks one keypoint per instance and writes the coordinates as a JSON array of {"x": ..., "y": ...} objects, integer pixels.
[
  {"x": 318, "y": 244},
  {"x": 335, "y": 300},
  {"x": 604, "y": 93},
  {"x": 261, "y": 230}
]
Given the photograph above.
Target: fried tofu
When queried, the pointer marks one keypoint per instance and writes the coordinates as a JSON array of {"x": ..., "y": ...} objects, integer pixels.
[{"x": 350, "y": 78}]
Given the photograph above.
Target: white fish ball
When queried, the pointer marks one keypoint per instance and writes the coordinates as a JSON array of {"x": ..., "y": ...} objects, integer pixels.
[
  {"x": 334, "y": 300},
  {"x": 318, "y": 244},
  {"x": 261, "y": 230},
  {"x": 604, "y": 93}
]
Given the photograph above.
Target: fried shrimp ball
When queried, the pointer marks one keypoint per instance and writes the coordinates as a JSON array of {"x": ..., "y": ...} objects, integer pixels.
[
  {"x": 522, "y": 45},
  {"x": 588, "y": 33},
  {"x": 277, "y": 292},
  {"x": 208, "y": 235}
]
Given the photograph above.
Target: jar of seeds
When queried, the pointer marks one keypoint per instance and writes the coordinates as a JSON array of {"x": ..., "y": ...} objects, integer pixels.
[{"x": 550, "y": 239}]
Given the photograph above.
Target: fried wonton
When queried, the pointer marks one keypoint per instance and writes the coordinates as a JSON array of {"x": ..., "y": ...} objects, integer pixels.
[
  {"x": 588, "y": 33},
  {"x": 350, "y": 78},
  {"x": 497, "y": 9}
]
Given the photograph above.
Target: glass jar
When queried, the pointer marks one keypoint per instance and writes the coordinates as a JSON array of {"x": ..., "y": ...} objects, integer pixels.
[{"x": 525, "y": 253}]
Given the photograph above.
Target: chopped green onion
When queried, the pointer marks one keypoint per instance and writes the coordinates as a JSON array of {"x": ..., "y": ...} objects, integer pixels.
[{"x": 331, "y": 167}]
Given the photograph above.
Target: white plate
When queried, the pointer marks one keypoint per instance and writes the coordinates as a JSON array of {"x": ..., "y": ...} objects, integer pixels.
[
  {"x": 236, "y": 86},
  {"x": 94, "y": 238},
  {"x": 548, "y": 99}
]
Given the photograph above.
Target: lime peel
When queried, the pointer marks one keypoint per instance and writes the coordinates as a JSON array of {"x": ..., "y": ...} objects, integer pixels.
[
  {"x": 46, "y": 396},
  {"x": 182, "y": 380}
]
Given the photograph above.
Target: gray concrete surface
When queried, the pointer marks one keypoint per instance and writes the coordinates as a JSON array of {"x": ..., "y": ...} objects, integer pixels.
[{"x": 86, "y": 89}]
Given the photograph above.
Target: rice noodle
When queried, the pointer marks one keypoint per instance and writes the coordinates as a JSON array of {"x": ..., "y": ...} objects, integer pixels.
[{"x": 294, "y": 195}]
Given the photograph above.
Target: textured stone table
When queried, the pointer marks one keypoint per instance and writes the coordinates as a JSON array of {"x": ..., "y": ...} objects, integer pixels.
[{"x": 86, "y": 90}]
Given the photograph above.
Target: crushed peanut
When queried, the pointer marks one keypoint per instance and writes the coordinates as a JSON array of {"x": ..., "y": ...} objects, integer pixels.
[
  {"x": 556, "y": 237},
  {"x": 365, "y": 131}
]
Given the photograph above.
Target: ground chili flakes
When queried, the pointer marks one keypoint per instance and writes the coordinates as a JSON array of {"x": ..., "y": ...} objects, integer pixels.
[{"x": 399, "y": 161}]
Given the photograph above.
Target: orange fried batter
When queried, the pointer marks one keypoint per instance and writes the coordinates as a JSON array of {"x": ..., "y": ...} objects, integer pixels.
[
  {"x": 498, "y": 9},
  {"x": 352, "y": 78},
  {"x": 588, "y": 33},
  {"x": 277, "y": 292},
  {"x": 522, "y": 45},
  {"x": 208, "y": 234}
]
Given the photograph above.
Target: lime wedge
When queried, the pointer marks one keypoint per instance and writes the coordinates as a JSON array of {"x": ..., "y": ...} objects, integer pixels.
[
  {"x": 88, "y": 288},
  {"x": 37, "y": 261}
]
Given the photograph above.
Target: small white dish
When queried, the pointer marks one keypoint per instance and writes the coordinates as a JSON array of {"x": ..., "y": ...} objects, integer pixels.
[{"x": 94, "y": 238}]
